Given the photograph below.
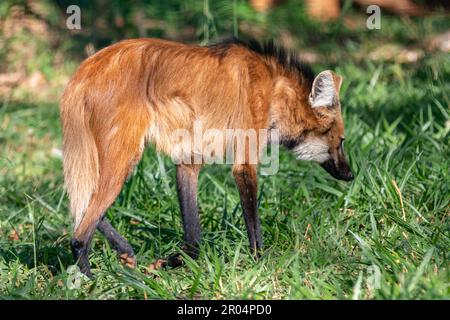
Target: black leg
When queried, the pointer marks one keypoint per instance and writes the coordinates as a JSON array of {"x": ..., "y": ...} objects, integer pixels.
[
  {"x": 80, "y": 251},
  {"x": 247, "y": 183},
  {"x": 187, "y": 179},
  {"x": 117, "y": 242}
]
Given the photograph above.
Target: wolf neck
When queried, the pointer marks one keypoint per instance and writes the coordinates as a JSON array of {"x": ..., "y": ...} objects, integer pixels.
[{"x": 290, "y": 112}]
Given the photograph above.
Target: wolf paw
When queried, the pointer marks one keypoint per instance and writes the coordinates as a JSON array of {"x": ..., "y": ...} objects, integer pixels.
[
  {"x": 173, "y": 261},
  {"x": 128, "y": 260}
]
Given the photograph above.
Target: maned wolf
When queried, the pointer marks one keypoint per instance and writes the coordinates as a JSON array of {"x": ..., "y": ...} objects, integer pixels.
[{"x": 140, "y": 91}]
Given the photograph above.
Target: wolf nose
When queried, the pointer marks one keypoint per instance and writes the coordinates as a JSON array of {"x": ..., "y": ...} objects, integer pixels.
[{"x": 350, "y": 176}]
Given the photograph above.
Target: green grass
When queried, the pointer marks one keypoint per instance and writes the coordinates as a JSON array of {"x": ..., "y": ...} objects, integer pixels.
[{"x": 383, "y": 236}]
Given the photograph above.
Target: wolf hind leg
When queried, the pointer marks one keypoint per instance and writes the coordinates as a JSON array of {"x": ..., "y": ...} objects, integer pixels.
[
  {"x": 117, "y": 242},
  {"x": 116, "y": 160}
]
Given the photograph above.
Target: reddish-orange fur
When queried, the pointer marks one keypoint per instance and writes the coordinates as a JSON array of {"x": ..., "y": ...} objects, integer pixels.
[{"x": 139, "y": 91}]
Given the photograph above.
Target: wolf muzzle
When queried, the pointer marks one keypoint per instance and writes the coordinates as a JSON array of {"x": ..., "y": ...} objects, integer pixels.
[{"x": 341, "y": 171}]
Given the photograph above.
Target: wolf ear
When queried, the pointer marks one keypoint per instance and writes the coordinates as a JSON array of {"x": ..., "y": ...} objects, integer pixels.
[{"x": 325, "y": 88}]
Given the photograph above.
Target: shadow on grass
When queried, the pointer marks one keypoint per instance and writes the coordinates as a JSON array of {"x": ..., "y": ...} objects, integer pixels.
[{"x": 54, "y": 257}]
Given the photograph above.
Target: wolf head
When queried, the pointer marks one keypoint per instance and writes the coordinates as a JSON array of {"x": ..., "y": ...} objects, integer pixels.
[
  {"x": 322, "y": 140},
  {"x": 325, "y": 144}
]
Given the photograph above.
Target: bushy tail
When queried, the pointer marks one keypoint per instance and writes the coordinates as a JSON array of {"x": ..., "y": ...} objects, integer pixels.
[{"x": 81, "y": 168}]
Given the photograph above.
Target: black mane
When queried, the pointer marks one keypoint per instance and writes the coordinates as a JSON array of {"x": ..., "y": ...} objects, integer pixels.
[{"x": 286, "y": 58}]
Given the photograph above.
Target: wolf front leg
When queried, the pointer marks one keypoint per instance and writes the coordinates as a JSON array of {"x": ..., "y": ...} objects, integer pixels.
[
  {"x": 187, "y": 181},
  {"x": 247, "y": 184}
]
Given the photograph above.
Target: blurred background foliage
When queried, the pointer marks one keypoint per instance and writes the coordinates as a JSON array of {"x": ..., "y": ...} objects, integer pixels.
[{"x": 200, "y": 21}]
